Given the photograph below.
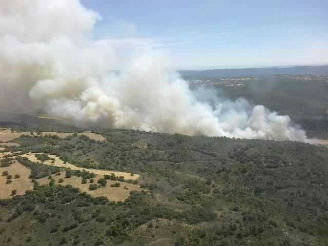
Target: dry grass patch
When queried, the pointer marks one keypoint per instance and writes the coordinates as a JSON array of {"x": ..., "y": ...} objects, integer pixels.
[
  {"x": 19, "y": 180},
  {"x": 93, "y": 136},
  {"x": 141, "y": 144},
  {"x": 58, "y": 134},
  {"x": 57, "y": 162},
  {"x": 115, "y": 194},
  {"x": 7, "y": 135}
]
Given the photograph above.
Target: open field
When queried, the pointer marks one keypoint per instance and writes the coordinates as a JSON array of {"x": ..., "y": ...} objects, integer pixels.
[
  {"x": 115, "y": 194},
  {"x": 57, "y": 162},
  {"x": 21, "y": 184},
  {"x": 6, "y": 135}
]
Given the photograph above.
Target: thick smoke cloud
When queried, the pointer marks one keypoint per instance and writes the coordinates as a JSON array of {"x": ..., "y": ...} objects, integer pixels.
[{"x": 48, "y": 63}]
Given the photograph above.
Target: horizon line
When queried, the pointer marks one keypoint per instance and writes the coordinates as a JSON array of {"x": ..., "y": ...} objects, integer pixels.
[{"x": 247, "y": 67}]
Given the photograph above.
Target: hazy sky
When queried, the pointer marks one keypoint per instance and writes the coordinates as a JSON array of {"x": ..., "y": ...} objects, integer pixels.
[{"x": 222, "y": 33}]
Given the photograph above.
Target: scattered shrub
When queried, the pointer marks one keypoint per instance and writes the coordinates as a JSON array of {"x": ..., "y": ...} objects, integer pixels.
[
  {"x": 102, "y": 182},
  {"x": 117, "y": 184},
  {"x": 93, "y": 187}
]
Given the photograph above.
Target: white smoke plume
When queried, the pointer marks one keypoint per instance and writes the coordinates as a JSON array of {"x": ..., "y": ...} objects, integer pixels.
[{"x": 49, "y": 62}]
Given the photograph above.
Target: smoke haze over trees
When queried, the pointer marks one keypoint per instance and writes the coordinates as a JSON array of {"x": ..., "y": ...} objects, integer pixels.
[{"x": 49, "y": 63}]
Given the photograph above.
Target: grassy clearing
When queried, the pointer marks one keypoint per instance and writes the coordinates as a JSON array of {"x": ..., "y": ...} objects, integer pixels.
[
  {"x": 18, "y": 176},
  {"x": 93, "y": 136},
  {"x": 7, "y": 135},
  {"x": 116, "y": 194}
]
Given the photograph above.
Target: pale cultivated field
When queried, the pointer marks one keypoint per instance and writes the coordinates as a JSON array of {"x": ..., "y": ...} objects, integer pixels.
[
  {"x": 6, "y": 135},
  {"x": 21, "y": 184},
  {"x": 111, "y": 193},
  {"x": 60, "y": 163}
]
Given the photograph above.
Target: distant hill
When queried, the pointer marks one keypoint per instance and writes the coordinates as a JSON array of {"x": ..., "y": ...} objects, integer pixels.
[
  {"x": 296, "y": 70},
  {"x": 22, "y": 120}
]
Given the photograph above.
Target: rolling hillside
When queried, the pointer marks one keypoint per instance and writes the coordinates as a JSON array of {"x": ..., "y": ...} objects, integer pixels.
[{"x": 197, "y": 191}]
